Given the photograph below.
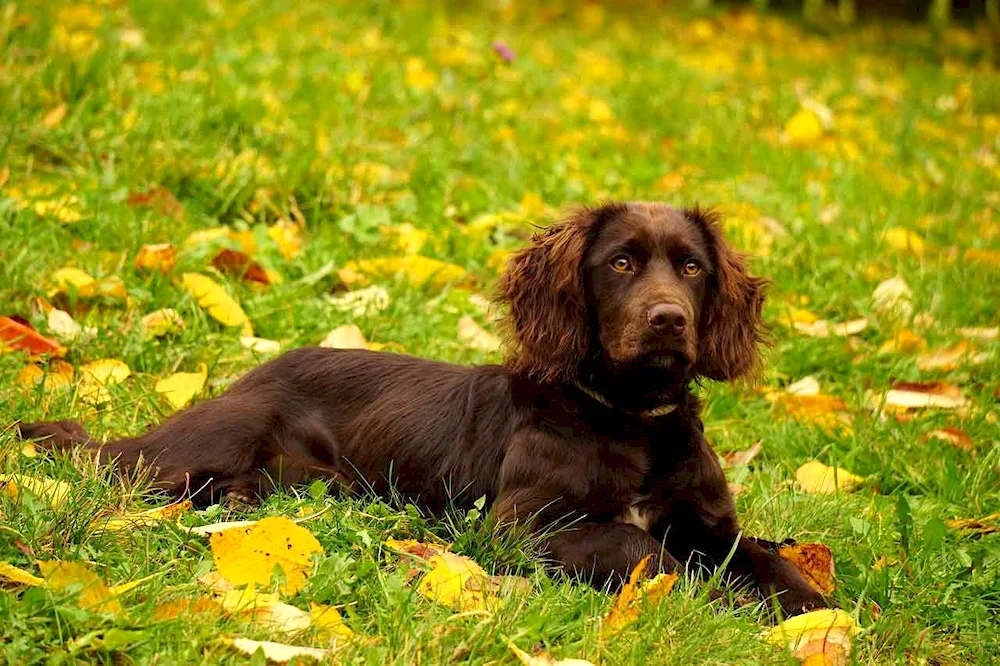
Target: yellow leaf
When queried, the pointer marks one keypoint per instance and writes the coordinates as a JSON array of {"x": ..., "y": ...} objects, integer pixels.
[
  {"x": 260, "y": 345},
  {"x": 826, "y": 411},
  {"x": 804, "y": 128},
  {"x": 475, "y": 337},
  {"x": 407, "y": 237},
  {"x": 250, "y": 554},
  {"x": 50, "y": 490},
  {"x": 216, "y": 528},
  {"x": 418, "y": 269},
  {"x": 903, "y": 342},
  {"x": 904, "y": 240},
  {"x": 455, "y": 581},
  {"x": 986, "y": 525},
  {"x": 628, "y": 604},
  {"x": 824, "y": 632},
  {"x": 287, "y": 236},
  {"x": 203, "y": 236},
  {"x": 418, "y": 77},
  {"x": 219, "y": 304},
  {"x": 72, "y": 279},
  {"x": 147, "y": 518},
  {"x": 97, "y": 376},
  {"x": 161, "y": 322},
  {"x": 542, "y": 659},
  {"x": 532, "y": 205},
  {"x": 986, "y": 257},
  {"x": 347, "y": 336},
  {"x": 54, "y": 117},
  {"x": 94, "y": 594},
  {"x": 280, "y": 653},
  {"x": 124, "y": 588},
  {"x": 816, "y": 478},
  {"x": 9, "y": 572},
  {"x": 328, "y": 621},
  {"x": 181, "y": 387},
  {"x": 59, "y": 375},
  {"x": 160, "y": 257}
]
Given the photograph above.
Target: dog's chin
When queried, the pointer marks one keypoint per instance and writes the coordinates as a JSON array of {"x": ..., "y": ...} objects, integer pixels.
[{"x": 672, "y": 361}]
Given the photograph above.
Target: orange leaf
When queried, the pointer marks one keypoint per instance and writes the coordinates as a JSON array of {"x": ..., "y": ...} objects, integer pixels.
[
  {"x": 815, "y": 562},
  {"x": 234, "y": 262},
  {"x": 159, "y": 257},
  {"x": 159, "y": 199},
  {"x": 953, "y": 436},
  {"x": 21, "y": 336}
]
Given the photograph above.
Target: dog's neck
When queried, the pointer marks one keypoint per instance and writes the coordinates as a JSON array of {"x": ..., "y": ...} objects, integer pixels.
[
  {"x": 653, "y": 413},
  {"x": 645, "y": 391}
]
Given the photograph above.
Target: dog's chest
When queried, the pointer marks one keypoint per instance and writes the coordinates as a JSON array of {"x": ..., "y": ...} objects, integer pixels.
[{"x": 639, "y": 512}]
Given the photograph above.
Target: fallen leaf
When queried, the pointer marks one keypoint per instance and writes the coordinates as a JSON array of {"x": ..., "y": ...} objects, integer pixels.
[
  {"x": 407, "y": 237},
  {"x": 280, "y": 653},
  {"x": 72, "y": 280},
  {"x": 826, "y": 411},
  {"x": 147, "y": 518},
  {"x": 348, "y": 336},
  {"x": 288, "y": 237},
  {"x": 822, "y": 635},
  {"x": 94, "y": 594},
  {"x": 328, "y": 621},
  {"x": 816, "y": 478},
  {"x": 361, "y": 302},
  {"x": 542, "y": 659},
  {"x": 161, "y": 322},
  {"x": 59, "y": 375},
  {"x": 634, "y": 596},
  {"x": 904, "y": 240},
  {"x": 249, "y": 554},
  {"x": 54, "y": 117},
  {"x": 62, "y": 324},
  {"x": 160, "y": 257},
  {"x": 806, "y": 386},
  {"x": 823, "y": 329},
  {"x": 97, "y": 376},
  {"x": 180, "y": 388},
  {"x": 903, "y": 342},
  {"x": 216, "y": 528},
  {"x": 15, "y": 335},
  {"x": 953, "y": 436},
  {"x": 266, "y": 610},
  {"x": 920, "y": 395},
  {"x": 815, "y": 562},
  {"x": 10, "y": 573},
  {"x": 986, "y": 257},
  {"x": 475, "y": 337},
  {"x": 987, "y": 525},
  {"x": 260, "y": 345},
  {"x": 949, "y": 358},
  {"x": 238, "y": 264},
  {"x": 159, "y": 199},
  {"x": 803, "y": 128},
  {"x": 52, "y": 491},
  {"x": 980, "y": 333},
  {"x": 186, "y": 608},
  {"x": 219, "y": 304},
  {"x": 893, "y": 296},
  {"x": 738, "y": 458},
  {"x": 419, "y": 270}
]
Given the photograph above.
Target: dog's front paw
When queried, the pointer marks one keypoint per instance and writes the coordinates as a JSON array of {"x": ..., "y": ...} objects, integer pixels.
[{"x": 800, "y": 599}]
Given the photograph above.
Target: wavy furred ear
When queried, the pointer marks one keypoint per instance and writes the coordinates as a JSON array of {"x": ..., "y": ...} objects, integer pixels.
[
  {"x": 732, "y": 328},
  {"x": 543, "y": 288}
]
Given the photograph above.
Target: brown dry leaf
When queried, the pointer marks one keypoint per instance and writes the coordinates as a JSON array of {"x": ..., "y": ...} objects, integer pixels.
[
  {"x": 97, "y": 376},
  {"x": 278, "y": 653},
  {"x": 953, "y": 436},
  {"x": 633, "y": 597},
  {"x": 20, "y": 336},
  {"x": 219, "y": 304},
  {"x": 52, "y": 491},
  {"x": 987, "y": 525},
  {"x": 475, "y": 336},
  {"x": 903, "y": 396},
  {"x": 418, "y": 269},
  {"x": 159, "y": 199},
  {"x": 348, "y": 336},
  {"x": 161, "y": 322},
  {"x": 542, "y": 659},
  {"x": 823, "y": 636},
  {"x": 737, "y": 458},
  {"x": 147, "y": 518},
  {"x": 249, "y": 554},
  {"x": 815, "y": 562},
  {"x": 10, "y": 573},
  {"x": 816, "y": 478},
  {"x": 181, "y": 388},
  {"x": 94, "y": 595},
  {"x": 949, "y": 358},
  {"x": 159, "y": 257},
  {"x": 239, "y": 264}
]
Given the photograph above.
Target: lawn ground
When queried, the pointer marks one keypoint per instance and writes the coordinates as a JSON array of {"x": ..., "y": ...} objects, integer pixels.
[{"x": 332, "y": 131}]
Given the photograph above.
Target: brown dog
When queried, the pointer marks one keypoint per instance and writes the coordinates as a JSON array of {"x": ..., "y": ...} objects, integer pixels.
[{"x": 614, "y": 312}]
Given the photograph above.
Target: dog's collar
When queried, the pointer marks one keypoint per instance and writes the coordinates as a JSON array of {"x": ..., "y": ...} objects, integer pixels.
[{"x": 656, "y": 412}]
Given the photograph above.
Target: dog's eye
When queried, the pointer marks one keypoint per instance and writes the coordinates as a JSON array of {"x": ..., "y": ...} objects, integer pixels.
[
  {"x": 622, "y": 263},
  {"x": 691, "y": 268}
]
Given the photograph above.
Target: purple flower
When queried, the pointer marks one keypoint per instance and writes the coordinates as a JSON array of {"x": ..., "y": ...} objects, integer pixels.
[{"x": 504, "y": 51}]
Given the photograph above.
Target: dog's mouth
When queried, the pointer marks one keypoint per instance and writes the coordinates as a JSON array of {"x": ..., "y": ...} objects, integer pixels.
[{"x": 673, "y": 359}]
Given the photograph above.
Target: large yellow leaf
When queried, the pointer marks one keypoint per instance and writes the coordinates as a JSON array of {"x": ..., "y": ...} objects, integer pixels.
[
  {"x": 418, "y": 269},
  {"x": 815, "y": 477},
  {"x": 248, "y": 555},
  {"x": 219, "y": 304},
  {"x": 825, "y": 632},
  {"x": 181, "y": 387},
  {"x": 94, "y": 594},
  {"x": 73, "y": 279},
  {"x": 97, "y": 376},
  {"x": 8, "y": 572},
  {"x": 50, "y": 490},
  {"x": 280, "y": 653},
  {"x": 635, "y": 595}
]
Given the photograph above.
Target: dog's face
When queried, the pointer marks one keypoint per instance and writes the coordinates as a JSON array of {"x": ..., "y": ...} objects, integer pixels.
[
  {"x": 646, "y": 276},
  {"x": 640, "y": 285}
]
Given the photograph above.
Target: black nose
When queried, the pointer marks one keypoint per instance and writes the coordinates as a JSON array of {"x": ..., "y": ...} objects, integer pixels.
[{"x": 667, "y": 318}]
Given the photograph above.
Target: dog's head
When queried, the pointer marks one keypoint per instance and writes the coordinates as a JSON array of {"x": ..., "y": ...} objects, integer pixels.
[{"x": 633, "y": 285}]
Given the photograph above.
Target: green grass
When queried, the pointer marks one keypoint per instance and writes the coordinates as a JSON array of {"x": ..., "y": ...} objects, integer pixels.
[{"x": 248, "y": 112}]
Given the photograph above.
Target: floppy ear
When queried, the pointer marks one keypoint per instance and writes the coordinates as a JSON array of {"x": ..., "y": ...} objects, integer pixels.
[
  {"x": 543, "y": 288},
  {"x": 732, "y": 329}
]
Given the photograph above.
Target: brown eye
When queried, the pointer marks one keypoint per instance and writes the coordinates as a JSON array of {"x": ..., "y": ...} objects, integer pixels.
[
  {"x": 691, "y": 268},
  {"x": 622, "y": 263}
]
